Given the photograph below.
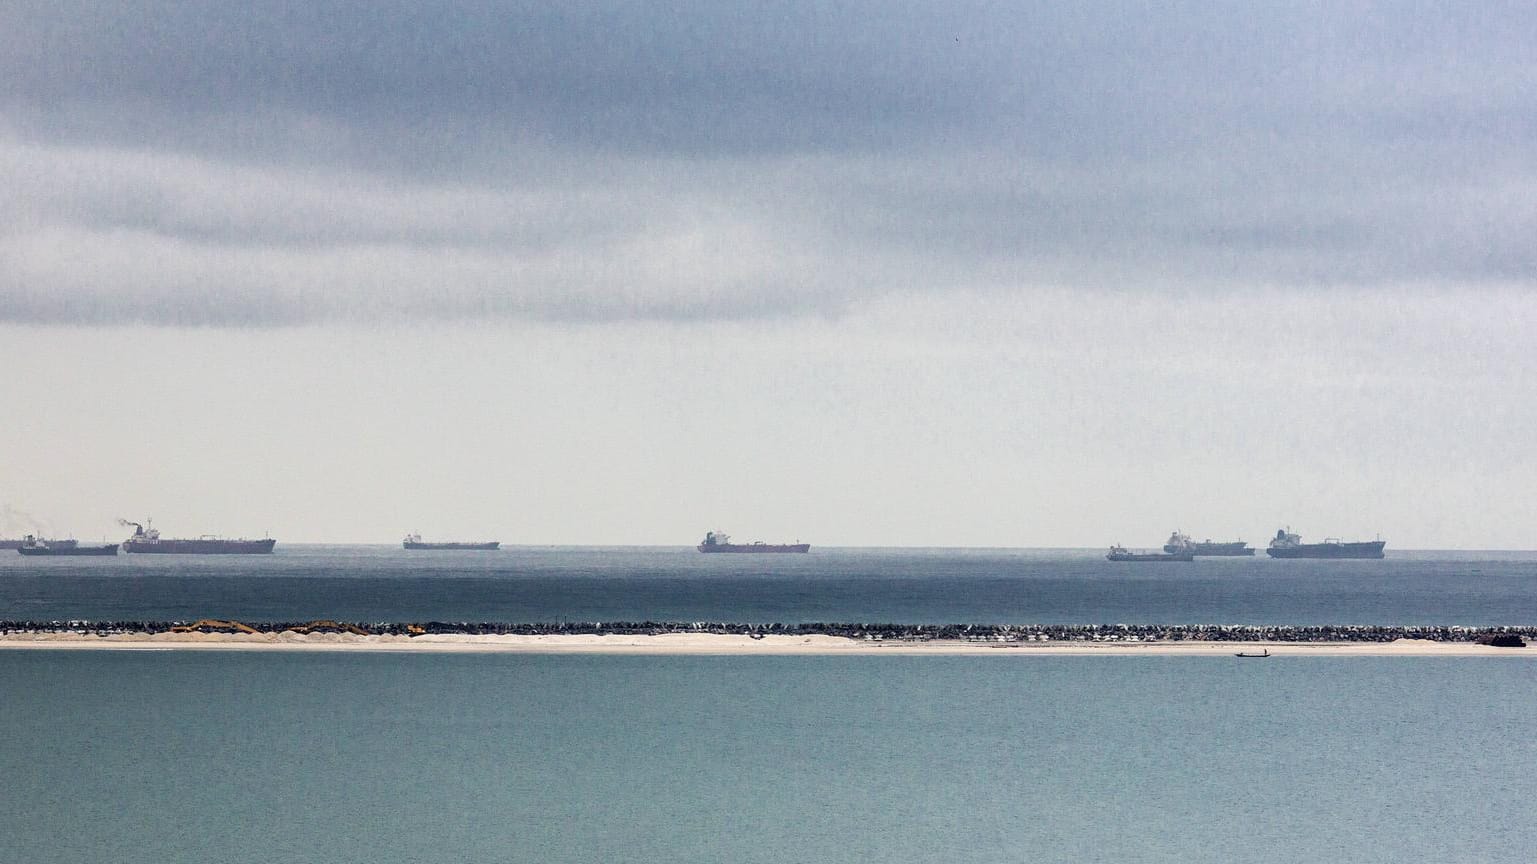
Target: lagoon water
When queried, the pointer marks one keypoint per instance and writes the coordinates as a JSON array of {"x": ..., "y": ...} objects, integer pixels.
[
  {"x": 525, "y": 584},
  {"x": 193, "y": 755},
  {"x": 186, "y": 755}
]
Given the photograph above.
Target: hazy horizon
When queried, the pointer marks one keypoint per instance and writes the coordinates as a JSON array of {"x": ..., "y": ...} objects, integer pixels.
[{"x": 962, "y": 275}]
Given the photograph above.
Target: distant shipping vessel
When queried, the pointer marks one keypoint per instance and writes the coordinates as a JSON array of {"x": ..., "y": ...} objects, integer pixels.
[
  {"x": 1121, "y": 553},
  {"x": 1289, "y": 545},
  {"x": 55, "y": 544},
  {"x": 149, "y": 540},
  {"x": 715, "y": 541},
  {"x": 33, "y": 546},
  {"x": 1179, "y": 542},
  {"x": 414, "y": 542}
]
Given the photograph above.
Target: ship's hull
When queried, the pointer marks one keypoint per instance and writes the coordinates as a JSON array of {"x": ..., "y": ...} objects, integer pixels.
[
  {"x": 1369, "y": 549},
  {"x": 418, "y": 546},
  {"x": 755, "y": 547},
  {"x": 200, "y": 547},
  {"x": 44, "y": 551},
  {"x": 1149, "y": 557},
  {"x": 1214, "y": 550}
]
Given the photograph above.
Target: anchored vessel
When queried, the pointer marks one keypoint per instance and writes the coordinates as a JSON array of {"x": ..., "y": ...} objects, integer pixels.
[
  {"x": 1121, "y": 553},
  {"x": 1289, "y": 545},
  {"x": 33, "y": 546},
  {"x": 715, "y": 541},
  {"x": 1179, "y": 542},
  {"x": 149, "y": 540},
  {"x": 414, "y": 542},
  {"x": 52, "y": 544}
]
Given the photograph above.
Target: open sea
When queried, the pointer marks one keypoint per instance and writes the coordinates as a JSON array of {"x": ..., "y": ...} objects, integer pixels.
[
  {"x": 908, "y": 586},
  {"x": 168, "y": 756}
]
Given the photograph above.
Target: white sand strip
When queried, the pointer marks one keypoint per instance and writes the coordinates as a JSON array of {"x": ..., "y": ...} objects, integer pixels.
[{"x": 717, "y": 644}]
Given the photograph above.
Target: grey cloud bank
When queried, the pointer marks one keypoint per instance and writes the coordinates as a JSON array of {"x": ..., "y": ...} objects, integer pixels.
[{"x": 271, "y": 164}]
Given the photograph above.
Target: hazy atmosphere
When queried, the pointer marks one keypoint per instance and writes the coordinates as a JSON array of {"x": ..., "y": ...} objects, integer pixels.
[{"x": 855, "y": 274}]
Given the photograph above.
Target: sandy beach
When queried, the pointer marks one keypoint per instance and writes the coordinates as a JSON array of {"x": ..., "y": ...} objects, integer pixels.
[{"x": 733, "y": 645}]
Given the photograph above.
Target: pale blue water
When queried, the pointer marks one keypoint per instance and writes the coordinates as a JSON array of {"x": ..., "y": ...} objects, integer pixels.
[
  {"x": 522, "y": 584},
  {"x": 184, "y": 756},
  {"x": 192, "y": 756}
]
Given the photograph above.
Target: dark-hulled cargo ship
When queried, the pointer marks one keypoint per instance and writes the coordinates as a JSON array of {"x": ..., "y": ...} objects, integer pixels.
[
  {"x": 1180, "y": 542},
  {"x": 148, "y": 540},
  {"x": 1121, "y": 553},
  {"x": 715, "y": 541},
  {"x": 1289, "y": 545},
  {"x": 415, "y": 543},
  {"x": 33, "y": 546}
]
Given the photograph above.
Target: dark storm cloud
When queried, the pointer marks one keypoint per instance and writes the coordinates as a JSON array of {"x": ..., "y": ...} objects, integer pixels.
[
  {"x": 1074, "y": 81},
  {"x": 270, "y": 163},
  {"x": 701, "y": 76}
]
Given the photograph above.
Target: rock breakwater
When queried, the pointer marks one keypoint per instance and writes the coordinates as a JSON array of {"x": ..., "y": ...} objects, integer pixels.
[{"x": 994, "y": 633}]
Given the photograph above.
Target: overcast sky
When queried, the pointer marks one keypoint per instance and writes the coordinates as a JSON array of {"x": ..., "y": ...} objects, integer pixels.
[{"x": 854, "y": 273}]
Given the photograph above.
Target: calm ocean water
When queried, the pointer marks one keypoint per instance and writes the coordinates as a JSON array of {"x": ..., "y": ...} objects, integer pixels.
[
  {"x": 192, "y": 756},
  {"x": 378, "y": 583},
  {"x": 180, "y": 756}
]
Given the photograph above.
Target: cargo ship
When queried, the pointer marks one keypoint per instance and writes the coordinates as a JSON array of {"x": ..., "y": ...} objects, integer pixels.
[
  {"x": 54, "y": 544},
  {"x": 1289, "y": 545},
  {"x": 33, "y": 546},
  {"x": 414, "y": 542},
  {"x": 1180, "y": 542},
  {"x": 148, "y": 540},
  {"x": 715, "y": 541},
  {"x": 1121, "y": 553}
]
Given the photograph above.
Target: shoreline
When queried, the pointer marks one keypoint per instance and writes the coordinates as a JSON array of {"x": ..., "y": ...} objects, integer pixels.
[{"x": 715, "y": 644}]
